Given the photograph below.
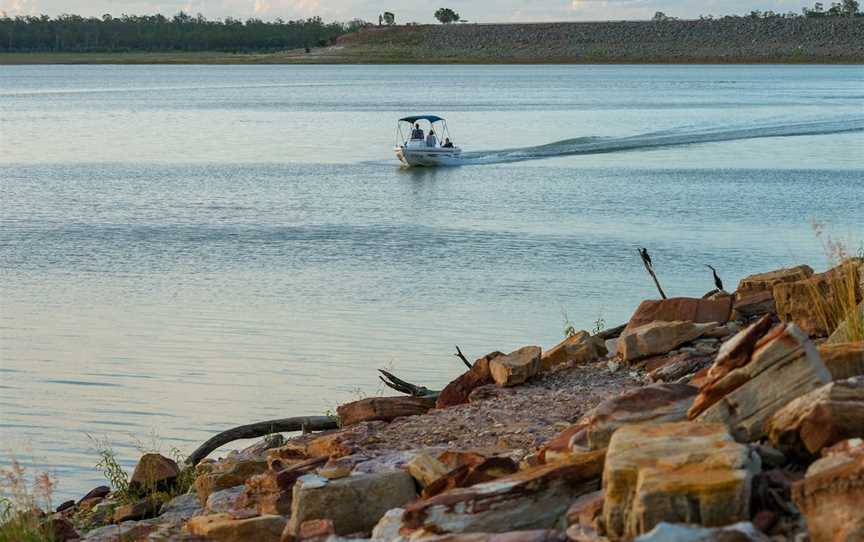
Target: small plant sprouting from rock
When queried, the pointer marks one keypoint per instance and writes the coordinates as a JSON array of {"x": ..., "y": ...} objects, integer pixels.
[
  {"x": 569, "y": 328},
  {"x": 599, "y": 325},
  {"x": 111, "y": 469}
]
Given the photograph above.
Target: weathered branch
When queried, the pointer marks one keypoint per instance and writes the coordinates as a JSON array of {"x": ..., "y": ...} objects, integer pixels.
[
  {"x": 461, "y": 356},
  {"x": 649, "y": 266},
  {"x": 396, "y": 383},
  {"x": 611, "y": 333},
  {"x": 260, "y": 429}
]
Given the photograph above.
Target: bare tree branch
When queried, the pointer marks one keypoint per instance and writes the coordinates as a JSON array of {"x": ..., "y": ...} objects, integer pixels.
[{"x": 461, "y": 356}]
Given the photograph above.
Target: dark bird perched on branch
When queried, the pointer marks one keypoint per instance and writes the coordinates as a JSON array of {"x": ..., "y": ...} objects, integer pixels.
[
  {"x": 646, "y": 257},
  {"x": 717, "y": 282},
  {"x": 649, "y": 266}
]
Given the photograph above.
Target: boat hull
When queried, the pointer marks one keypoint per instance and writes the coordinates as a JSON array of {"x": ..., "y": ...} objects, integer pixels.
[{"x": 429, "y": 157}]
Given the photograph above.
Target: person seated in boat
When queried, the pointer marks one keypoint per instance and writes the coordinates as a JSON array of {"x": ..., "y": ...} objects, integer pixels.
[
  {"x": 417, "y": 132},
  {"x": 447, "y": 143},
  {"x": 431, "y": 140}
]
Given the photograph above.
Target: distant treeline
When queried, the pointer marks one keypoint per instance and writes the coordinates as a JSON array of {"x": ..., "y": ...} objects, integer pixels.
[{"x": 182, "y": 32}]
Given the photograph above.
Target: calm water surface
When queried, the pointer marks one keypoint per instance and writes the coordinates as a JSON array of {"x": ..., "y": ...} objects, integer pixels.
[{"x": 187, "y": 248}]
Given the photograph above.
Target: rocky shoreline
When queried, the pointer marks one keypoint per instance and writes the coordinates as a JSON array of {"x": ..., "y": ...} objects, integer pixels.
[
  {"x": 727, "y": 40},
  {"x": 729, "y": 417}
]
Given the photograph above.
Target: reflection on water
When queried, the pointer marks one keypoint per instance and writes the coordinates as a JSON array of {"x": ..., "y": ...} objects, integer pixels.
[{"x": 238, "y": 243}]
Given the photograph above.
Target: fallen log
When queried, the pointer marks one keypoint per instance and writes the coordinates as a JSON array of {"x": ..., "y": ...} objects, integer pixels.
[
  {"x": 393, "y": 382},
  {"x": 260, "y": 429}
]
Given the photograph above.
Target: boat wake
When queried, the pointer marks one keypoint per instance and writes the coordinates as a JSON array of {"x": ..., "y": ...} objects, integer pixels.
[{"x": 667, "y": 138}]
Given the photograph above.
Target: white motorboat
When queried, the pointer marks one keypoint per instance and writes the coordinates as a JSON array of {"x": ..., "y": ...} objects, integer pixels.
[{"x": 414, "y": 149}]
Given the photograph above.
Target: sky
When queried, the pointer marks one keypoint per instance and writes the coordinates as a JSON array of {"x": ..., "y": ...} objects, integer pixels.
[{"x": 408, "y": 10}]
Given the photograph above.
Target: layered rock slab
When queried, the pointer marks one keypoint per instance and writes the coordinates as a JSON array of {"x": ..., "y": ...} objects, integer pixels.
[
  {"x": 516, "y": 367},
  {"x": 784, "y": 365},
  {"x": 820, "y": 418},
  {"x": 681, "y": 309},
  {"x": 535, "y": 498},
  {"x": 682, "y": 472},
  {"x": 658, "y": 337},
  {"x": 831, "y": 501},
  {"x": 354, "y": 504},
  {"x": 382, "y": 408}
]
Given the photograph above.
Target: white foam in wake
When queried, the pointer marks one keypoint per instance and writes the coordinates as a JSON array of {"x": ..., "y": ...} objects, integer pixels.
[{"x": 666, "y": 138}]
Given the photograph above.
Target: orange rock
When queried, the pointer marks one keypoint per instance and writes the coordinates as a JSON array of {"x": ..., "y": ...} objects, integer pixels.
[
  {"x": 843, "y": 360},
  {"x": 314, "y": 529},
  {"x": 457, "y": 391},
  {"x": 735, "y": 353},
  {"x": 576, "y": 349},
  {"x": 225, "y": 528},
  {"x": 530, "y": 499},
  {"x": 154, "y": 472},
  {"x": 818, "y": 419},
  {"x": 651, "y": 469},
  {"x": 830, "y": 501},
  {"x": 516, "y": 367},
  {"x": 764, "y": 282},
  {"x": 585, "y": 509},
  {"x": 750, "y": 304},
  {"x": 681, "y": 309},
  {"x": 808, "y": 302}
]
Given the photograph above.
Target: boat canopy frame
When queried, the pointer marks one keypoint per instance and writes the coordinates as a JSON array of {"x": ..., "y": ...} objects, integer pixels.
[{"x": 432, "y": 120}]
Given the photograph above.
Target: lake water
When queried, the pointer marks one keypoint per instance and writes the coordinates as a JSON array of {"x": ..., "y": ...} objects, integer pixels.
[{"x": 187, "y": 248}]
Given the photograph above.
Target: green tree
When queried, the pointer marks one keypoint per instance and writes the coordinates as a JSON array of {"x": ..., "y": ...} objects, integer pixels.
[
  {"x": 851, "y": 8},
  {"x": 446, "y": 15},
  {"x": 389, "y": 18}
]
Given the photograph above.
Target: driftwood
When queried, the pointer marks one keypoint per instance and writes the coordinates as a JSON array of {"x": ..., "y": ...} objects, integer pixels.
[
  {"x": 611, "y": 333},
  {"x": 649, "y": 266},
  {"x": 461, "y": 356},
  {"x": 260, "y": 429},
  {"x": 392, "y": 381},
  {"x": 383, "y": 408}
]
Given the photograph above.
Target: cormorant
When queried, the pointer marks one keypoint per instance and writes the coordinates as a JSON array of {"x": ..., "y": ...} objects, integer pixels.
[
  {"x": 645, "y": 256},
  {"x": 717, "y": 282}
]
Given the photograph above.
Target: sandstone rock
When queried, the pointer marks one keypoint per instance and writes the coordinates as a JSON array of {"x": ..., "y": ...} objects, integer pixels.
[
  {"x": 457, "y": 391},
  {"x": 539, "y": 535},
  {"x": 680, "y": 309},
  {"x": 143, "y": 509},
  {"x": 224, "y": 528},
  {"x": 735, "y": 353},
  {"x": 651, "y": 470},
  {"x": 845, "y": 332},
  {"x": 752, "y": 304},
  {"x": 338, "y": 467},
  {"x": 530, "y": 499},
  {"x": 658, "y": 337},
  {"x": 154, "y": 472},
  {"x": 355, "y": 504},
  {"x": 516, "y": 367},
  {"x": 94, "y": 496},
  {"x": 425, "y": 468},
  {"x": 130, "y": 530},
  {"x": 388, "y": 526},
  {"x": 227, "y": 474},
  {"x": 838, "y": 454},
  {"x": 469, "y": 474},
  {"x": 181, "y": 508},
  {"x": 577, "y": 349},
  {"x": 271, "y": 492},
  {"x": 764, "y": 282},
  {"x": 224, "y": 500},
  {"x": 584, "y": 533},
  {"x": 668, "y": 532},
  {"x": 819, "y": 418},
  {"x": 316, "y": 529},
  {"x": 804, "y": 302},
  {"x": 830, "y": 501},
  {"x": 678, "y": 366},
  {"x": 656, "y": 403},
  {"x": 585, "y": 509},
  {"x": 382, "y": 408},
  {"x": 844, "y": 360},
  {"x": 60, "y": 528},
  {"x": 784, "y": 365}
]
